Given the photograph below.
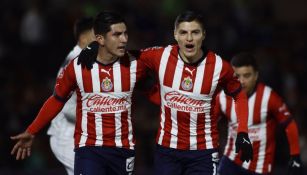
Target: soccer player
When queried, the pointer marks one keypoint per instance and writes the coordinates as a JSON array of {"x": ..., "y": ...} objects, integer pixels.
[
  {"x": 190, "y": 76},
  {"x": 104, "y": 140},
  {"x": 62, "y": 127},
  {"x": 266, "y": 111}
]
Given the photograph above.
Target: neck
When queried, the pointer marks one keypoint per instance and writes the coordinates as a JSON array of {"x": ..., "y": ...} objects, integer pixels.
[{"x": 105, "y": 57}]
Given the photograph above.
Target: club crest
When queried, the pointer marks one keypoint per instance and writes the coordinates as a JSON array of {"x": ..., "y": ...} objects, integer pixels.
[
  {"x": 106, "y": 84},
  {"x": 187, "y": 83}
]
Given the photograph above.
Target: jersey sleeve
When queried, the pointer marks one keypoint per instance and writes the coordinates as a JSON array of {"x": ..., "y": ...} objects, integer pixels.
[
  {"x": 150, "y": 57},
  {"x": 232, "y": 87},
  {"x": 279, "y": 110},
  {"x": 64, "y": 86},
  {"x": 229, "y": 82},
  {"x": 65, "y": 83}
]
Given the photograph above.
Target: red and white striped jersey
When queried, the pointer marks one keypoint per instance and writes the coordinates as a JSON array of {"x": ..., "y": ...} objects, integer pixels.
[
  {"x": 187, "y": 94},
  {"x": 103, "y": 116},
  {"x": 266, "y": 110}
]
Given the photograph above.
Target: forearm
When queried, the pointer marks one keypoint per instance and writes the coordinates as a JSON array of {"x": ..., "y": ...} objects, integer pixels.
[
  {"x": 293, "y": 138},
  {"x": 241, "y": 108},
  {"x": 48, "y": 111}
]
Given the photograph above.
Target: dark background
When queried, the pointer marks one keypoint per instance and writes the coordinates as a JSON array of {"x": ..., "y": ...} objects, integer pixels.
[{"x": 36, "y": 36}]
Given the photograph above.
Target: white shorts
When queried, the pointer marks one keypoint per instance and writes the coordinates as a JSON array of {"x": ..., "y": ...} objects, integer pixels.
[{"x": 63, "y": 149}]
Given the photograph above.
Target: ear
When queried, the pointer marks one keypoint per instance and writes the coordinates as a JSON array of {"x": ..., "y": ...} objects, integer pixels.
[
  {"x": 176, "y": 35},
  {"x": 257, "y": 73},
  {"x": 100, "y": 39},
  {"x": 204, "y": 34}
]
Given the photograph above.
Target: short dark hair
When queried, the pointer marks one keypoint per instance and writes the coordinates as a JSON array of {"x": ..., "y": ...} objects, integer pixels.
[
  {"x": 82, "y": 25},
  {"x": 244, "y": 59},
  {"x": 104, "y": 20},
  {"x": 189, "y": 16}
]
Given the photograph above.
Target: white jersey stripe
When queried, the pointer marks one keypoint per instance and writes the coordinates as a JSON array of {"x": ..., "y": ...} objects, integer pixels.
[
  {"x": 233, "y": 119},
  {"x": 118, "y": 131},
  {"x": 251, "y": 107},
  {"x": 215, "y": 80},
  {"x": 216, "y": 74},
  {"x": 95, "y": 78},
  {"x": 223, "y": 102},
  {"x": 133, "y": 69},
  {"x": 117, "y": 88},
  {"x": 162, "y": 68},
  {"x": 208, "y": 137},
  {"x": 98, "y": 118},
  {"x": 199, "y": 77},
  {"x": 176, "y": 85},
  {"x": 117, "y": 77},
  {"x": 263, "y": 114},
  {"x": 98, "y": 128},
  {"x": 79, "y": 79},
  {"x": 197, "y": 90}
]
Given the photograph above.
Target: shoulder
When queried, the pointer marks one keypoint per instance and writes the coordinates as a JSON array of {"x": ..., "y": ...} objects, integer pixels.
[{"x": 74, "y": 53}]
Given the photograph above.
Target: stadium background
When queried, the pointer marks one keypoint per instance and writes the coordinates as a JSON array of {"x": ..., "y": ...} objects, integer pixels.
[{"x": 35, "y": 37}]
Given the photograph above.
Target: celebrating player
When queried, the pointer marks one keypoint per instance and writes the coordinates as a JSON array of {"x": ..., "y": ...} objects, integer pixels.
[
  {"x": 190, "y": 76},
  {"x": 104, "y": 141},
  {"x": 266, "y": 111}
]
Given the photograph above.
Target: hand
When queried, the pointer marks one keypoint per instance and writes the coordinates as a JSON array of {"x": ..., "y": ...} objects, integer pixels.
[
  {"x": 88, "y": 55},
  {"x": 23, "y": 146},
  {"x": 244, "y": 145},
  {"x": 295, "y": 166}
]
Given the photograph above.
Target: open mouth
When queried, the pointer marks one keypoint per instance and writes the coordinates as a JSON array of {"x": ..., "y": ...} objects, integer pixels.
[
  {"x": 189, "y": 46},
  {"x": 121, "y": 47}
]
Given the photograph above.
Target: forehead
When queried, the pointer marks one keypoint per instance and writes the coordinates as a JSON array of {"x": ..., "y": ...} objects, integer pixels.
[
  {"x": 243, "y": 69},
  {"x": 119, "y": 27},
  {"x": 193, "y": 25}
]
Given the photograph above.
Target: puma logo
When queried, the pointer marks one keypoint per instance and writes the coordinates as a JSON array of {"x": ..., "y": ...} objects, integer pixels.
[
  {"x": 244, "y": 140},
  {"x": 296, "y": 164},
  {"x": 106, "y": 71},
  {"x": 190, "y": 71}
]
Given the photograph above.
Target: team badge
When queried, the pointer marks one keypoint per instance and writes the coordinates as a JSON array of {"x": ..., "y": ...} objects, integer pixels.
[
  {"x": 187, "y": 83},
  {"x": 106, "y": 84}
]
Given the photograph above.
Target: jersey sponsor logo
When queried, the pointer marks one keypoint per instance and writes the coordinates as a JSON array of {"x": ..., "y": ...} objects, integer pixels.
[
  {"x": 107, "y": 104},
  {"x": 184, "y": 103},
  {"x": 187, "y": 83},
  {"x": 106, "y": 84}
]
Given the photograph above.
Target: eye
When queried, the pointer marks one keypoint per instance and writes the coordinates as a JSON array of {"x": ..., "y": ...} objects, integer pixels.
[{"x": 182, "y": 32}]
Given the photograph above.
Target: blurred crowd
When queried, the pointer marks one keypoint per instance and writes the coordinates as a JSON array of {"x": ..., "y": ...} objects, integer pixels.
[{"x": 35, "y": 37}]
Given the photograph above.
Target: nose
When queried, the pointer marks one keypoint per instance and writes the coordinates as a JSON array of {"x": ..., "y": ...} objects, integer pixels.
[
  {"x": 189, "y": 37},
  {"x": 242, "y": 81},
  {"x": 124, "y": 38}
]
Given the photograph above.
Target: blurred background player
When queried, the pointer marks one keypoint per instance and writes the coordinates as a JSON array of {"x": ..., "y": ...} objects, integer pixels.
[
  {"x": 266, "y": 111},
  {"x": 104, "y": 140},
  {"x": 62, "y": 127}
]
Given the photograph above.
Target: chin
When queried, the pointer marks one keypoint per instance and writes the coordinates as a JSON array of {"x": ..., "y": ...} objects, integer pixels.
[{"x": 120, "y": 54}]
